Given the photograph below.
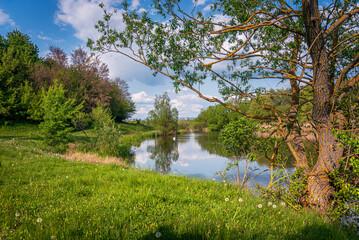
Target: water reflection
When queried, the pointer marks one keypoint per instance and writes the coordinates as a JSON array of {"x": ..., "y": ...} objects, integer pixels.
[
  {"x": 194, "y": 155},
  {"x": 164, "y": 152}
]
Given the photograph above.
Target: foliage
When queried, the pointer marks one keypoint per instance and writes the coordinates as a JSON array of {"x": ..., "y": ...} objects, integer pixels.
[
  {"x": 58, "y": 112},
  {"x": 17, "y": 55},
  {"x": 239, "y": 140},
  {"x": 121, "y": 104},
  {"x": 163, "y": 116},
  {"x": 125, "y": 203},
  {"x": 301, "y": 44},
  {"x": 346, "y": 182},
  {"x": 23, "y": 74},
  {"x": 107, "y": 134}
]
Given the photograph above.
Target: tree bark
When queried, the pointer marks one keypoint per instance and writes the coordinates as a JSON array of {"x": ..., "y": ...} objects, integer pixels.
[{"x": 319, "y": 188}]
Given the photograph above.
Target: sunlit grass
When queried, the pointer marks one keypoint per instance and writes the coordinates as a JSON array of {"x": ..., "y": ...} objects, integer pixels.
[{"x": 43, "y": 195}]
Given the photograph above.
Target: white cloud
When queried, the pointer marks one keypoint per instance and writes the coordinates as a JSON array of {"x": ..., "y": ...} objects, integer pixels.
[
  {"x": 44, "y": 38},
  {"x": 141, "y": 10},
  {"x": 141, "y": 97},
  {"x": 82, "y": 15},
  {"x": 187, "y": 97},
  {"x": 185, "y": 107},
  {"x": 199, "y": 2},
  {"x": 5, "y": 19},
  {"x": 142, "y": 110},
  {"x": 207, "y": 8},
  {"x": 135, "y": 4}
]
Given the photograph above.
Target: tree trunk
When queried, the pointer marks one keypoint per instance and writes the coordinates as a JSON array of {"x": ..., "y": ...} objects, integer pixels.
[{"x": 319, "y": 188}]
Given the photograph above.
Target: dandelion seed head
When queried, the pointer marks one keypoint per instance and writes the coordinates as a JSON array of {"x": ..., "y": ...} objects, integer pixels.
[
  {"x": 240, "y": 200},
  {"x": 224, "y": 181},
  {"x": 282, "y": 203},
  {"x": 259, "y": 205},
  {"x": 158, "y": 234},
  {"x": 17, "y": 214},
  {"x": 67, "y": 176},
  {"x": 226, "y": 199},
  {"x": 39, "y": 220},
  {"x": 274, "y": 206},
  {"x": 53, "y": 238},
  {"x": 269, "y": 203}
]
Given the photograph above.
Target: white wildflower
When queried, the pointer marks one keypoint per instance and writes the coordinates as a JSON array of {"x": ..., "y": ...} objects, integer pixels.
[
  {"x": 282, "y": 203},
  {"x": 39, "y": 220},
  {"x": 269, "y": 203},
  {"x": 259, "y": 205},
  {"x": 240, "y": 200},
  {"x": 226, "y": 199},
  {"x": 274, "y": 206},
  {"x": 17, "y": 214}
]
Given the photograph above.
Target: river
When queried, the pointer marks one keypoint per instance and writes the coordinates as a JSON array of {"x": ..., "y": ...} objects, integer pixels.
[{"x": 197, "y": 155}]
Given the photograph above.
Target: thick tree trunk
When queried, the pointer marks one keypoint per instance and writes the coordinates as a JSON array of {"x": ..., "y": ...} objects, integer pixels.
[{"x": 319, "y": 188}]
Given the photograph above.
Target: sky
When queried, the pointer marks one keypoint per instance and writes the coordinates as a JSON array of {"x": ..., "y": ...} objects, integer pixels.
[{"x": 69, "y": 23}]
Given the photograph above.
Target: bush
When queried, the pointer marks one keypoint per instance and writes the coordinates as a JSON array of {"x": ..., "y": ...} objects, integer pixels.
[
  {"x": 107, "y": 134},
  {"x": 58, "y": 112}
]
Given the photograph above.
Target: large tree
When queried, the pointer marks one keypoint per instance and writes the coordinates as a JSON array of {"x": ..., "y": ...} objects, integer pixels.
[
  {"x": 300, "y": 43},
  {"x": 17, "y": 55}
]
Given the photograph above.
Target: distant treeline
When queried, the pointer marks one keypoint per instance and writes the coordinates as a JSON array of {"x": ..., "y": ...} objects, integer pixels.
[
  {"x": 24, "y": 77},
  {"x": 216, "y": 117}
]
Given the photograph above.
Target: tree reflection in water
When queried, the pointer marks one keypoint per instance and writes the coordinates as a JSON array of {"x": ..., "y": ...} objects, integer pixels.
[
  {"x": 164, "y": 153},
  {"x": 211, "y": 143}
]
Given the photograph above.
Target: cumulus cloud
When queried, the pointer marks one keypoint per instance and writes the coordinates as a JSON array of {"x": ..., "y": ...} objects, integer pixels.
[
  {"x": 199, "y": 2},
  {"x": 5, "y": 19},
  {"x": 135, "y": 4},
  {"x": 141, "y": 97},
  {"x": 82, "y": 15}
]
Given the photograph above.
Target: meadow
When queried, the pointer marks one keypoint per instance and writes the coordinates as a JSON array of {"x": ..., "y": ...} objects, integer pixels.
[{"x": 45, "y": 196}]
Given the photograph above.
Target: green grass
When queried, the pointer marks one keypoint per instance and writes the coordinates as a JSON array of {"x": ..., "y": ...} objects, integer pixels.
[{"x": 86, "y": 201}]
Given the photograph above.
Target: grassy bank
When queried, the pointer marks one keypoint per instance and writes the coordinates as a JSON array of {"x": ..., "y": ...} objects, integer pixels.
[{"x": 43, "y": 195}]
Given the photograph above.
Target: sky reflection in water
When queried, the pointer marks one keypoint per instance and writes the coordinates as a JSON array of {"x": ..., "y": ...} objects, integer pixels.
[{"x": 193, "y": 155}]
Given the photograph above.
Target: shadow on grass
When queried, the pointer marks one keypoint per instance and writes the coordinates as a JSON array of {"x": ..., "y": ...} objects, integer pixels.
[{"x": 313, "y": 231}]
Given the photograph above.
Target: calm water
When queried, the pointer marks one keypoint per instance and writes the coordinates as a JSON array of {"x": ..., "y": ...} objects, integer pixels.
[{"x": 194, "y": 155}]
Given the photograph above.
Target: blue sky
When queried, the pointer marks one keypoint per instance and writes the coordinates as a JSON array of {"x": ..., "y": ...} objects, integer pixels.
[{"x": 69, "y": 23}]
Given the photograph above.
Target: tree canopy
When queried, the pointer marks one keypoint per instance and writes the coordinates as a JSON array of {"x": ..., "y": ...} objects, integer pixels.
[
  {"x": 163, "y": 116},
  {"x": 299, "y": 43}
]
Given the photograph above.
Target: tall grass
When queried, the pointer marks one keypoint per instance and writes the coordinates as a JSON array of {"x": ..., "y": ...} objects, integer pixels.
[{"x": 44, "y": 196}]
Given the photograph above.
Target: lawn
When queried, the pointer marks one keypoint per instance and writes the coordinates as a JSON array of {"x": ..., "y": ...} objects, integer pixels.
[{"x": 44, "y": 196}]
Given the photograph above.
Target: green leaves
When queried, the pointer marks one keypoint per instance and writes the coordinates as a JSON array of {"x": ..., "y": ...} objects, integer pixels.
[
  {"x": 163, "y": 116},
  {"x": 58, "y": 112}
]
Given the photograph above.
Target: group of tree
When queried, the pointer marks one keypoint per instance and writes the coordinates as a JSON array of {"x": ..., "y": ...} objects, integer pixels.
[
  {"x": 25, "y": 76},
  {"x": 303, "y": 44},
  {"x": 164, "y": 117}
]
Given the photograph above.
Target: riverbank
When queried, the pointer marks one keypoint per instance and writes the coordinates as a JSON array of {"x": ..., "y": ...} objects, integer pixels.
[{"x": 44, "y": 195}]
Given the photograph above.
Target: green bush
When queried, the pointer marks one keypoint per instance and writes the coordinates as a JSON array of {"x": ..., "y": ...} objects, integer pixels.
[
  {"x": 346, "y": 181},
  {"x": 58, "y": 112},
  {"x": 107, "y": 134}
]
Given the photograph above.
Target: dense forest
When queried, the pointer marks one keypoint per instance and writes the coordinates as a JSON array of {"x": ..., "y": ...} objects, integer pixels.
[{"x": 25, "y": 77}]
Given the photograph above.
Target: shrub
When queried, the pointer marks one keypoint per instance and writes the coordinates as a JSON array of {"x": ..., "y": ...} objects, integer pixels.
[
  {"x": 107, "y": 134},
  {"x": 58, "y": 112}
]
